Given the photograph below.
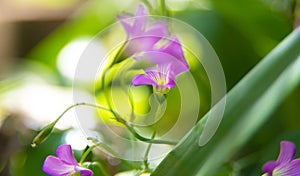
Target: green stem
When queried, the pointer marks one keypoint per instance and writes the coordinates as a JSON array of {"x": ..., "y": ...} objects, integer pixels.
[
  {"x": 120, "y": 119},
  {"x": 86, "y": 153},
  {"x": 148, "y": 4},
  {"x": 131, "y": 101},
  {"x": 63, "y": 113},
  {"x": 115, "y": 60},
  {"x": 45, "y": 133},
  {"x": 163, "y": 8},
  {"x": 146, "y": 163},
  {"x": 158, "y": 111},
  {"x": 138, "y": 136},
  {"x": 147, "y": 140},
  {"x": 112, "y": 152}
]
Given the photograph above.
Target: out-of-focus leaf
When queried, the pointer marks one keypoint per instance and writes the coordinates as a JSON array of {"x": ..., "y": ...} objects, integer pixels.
[
  {"x": 256, "y": 27},
  {"x": 249, "y": 105},
  {"x": 94, "y": 16},
  {"x": 30, "y": 160},
  {"x": 241, "y": 32}
]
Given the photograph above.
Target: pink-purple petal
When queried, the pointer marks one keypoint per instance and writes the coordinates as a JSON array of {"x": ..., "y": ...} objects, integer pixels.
[
  {"x": 142, "y": 10},
  {"x": 83, "y": 171},
  {"x": 55, "y": 167},
  {"x": 158, "y": 29},
  {"x": 160, "y": 58},
  {"x": 140, "y": 21},
  {"x": 140, "y": 44},
  {"x": 65, "y": 153},
  {"x": 152, "y": 42},
  {"x": 174, "y": 48},
  {"x": 142, "y": 38},
  {"x": 143, "y": 79},
  {"x": 125, "y": 21},
  {"x": 289, "y": 169},
  {"x": 287, "y": 152},
  {"x": 270, "y": 166},
  {"x": 171, "y": 84}
]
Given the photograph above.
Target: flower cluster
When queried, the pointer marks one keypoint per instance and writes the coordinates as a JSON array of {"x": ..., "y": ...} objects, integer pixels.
[
  {"x": 151, "y": 43},
  {"x": 155, "y": 45},
  {"x": 285, "y": 165}
]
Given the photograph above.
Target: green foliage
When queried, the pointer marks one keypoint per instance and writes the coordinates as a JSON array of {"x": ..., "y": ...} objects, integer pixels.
[
  {"x": 242, "y": 33},
  {"x": 249, "y": 104},
  {"x": 29, "y": 161}
]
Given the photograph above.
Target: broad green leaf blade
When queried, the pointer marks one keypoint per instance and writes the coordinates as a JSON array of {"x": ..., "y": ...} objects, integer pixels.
[{"x": 249, "y": 105}]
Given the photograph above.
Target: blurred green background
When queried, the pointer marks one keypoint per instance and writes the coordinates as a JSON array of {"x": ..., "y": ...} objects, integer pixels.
[{"x": 36, "y": 86}]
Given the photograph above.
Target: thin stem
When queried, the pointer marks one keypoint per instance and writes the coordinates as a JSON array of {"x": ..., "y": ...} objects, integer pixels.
[
  {"x": 63, "y": 113},
  {"x": 138, "y": 136},
  {"x": 112, "y": 152},
  {"x": 115, "y": 60},
  {"x": 146, "y": 163},
  {"x": 148, "y": 4},
  {"x": 158, "y": 111},
  {"x": 86, "y": 153},
  {"x": 131, "y": 101},
  {"x": 147, "y": 140},
  {"x": 120, "y": 119},
  {"x": 163, "y": 8}
]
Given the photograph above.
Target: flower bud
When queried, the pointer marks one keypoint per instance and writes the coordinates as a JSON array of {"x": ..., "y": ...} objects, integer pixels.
[{"x": 43, "y": 135}]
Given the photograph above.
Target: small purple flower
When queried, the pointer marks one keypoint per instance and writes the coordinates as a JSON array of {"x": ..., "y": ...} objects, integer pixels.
[
  {"x": 141, "y": 35},
  {"x": 167, "y": 63},
  {"x": 285, "y": 165},
  {"x": 152, "y": 43},
  {"x": 65, "y": 164}
]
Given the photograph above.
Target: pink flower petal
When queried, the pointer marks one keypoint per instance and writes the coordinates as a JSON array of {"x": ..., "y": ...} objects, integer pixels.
[
  {"x": 290, "y": 169},
  {"x": 140, "y": 20},
  {"x": 125, "y": 21},
  {"x": 287, "y": 152},
  {"x": 55, "y": 167},
  {"x": 140, "y": 44},
  {"x": 143, "y": 80},
  {"x": 270, "y": 166},
  {"x": 161, "y": 58},
  {"x": 158, "y": 29},
  {"x": 174, "y": 48},
  {"x": 142, "y": 10},
  {"x": 65, "y": 153},
  {"x": 83, "y": 171}
]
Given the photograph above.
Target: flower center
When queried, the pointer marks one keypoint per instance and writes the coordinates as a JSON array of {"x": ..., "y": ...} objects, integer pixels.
[{"x": 161, "y": 76}]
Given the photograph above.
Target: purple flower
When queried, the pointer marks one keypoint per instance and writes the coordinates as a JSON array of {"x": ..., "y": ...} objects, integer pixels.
[
  {"x": 65, "y": 164},
  {"x": 152, "y": 43},
  {"x": 141, "y": 35},
  {"x": 285, "y": 165},
  {"x": 167, "y": 62}
]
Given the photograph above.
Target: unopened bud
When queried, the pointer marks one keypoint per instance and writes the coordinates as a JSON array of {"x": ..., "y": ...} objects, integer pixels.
[{"x": 43, "y": 135}]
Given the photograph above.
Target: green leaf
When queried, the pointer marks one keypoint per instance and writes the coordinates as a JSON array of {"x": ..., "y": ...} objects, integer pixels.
[{"x": 249, "y": 105}]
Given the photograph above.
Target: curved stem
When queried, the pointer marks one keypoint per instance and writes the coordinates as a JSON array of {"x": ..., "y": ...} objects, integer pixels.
[
  {"x": 120, "y": 119},
  {"x": 112, "y": 152},
  {"x": 86, "y": 153},
  {"x": 147, "y": 140}
]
